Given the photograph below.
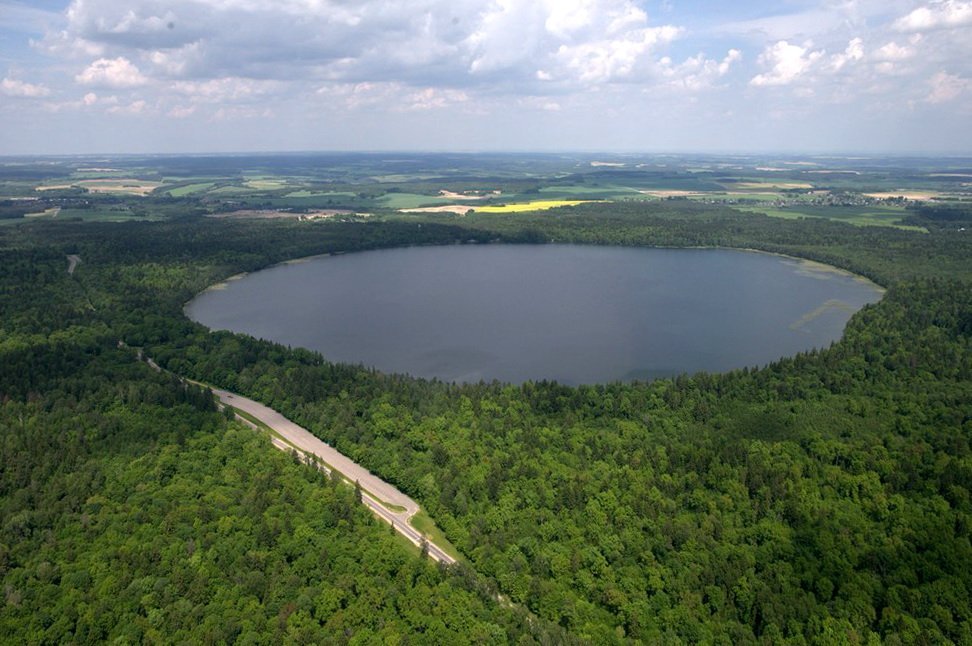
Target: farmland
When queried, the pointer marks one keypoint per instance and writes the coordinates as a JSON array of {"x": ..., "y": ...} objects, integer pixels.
[
  {"x": 861, "y": 192},
  {"x": 538, "y": 205}
]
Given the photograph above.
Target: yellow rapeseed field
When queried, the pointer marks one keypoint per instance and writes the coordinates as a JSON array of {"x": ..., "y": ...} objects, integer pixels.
[{"x": 539, "y": 205}]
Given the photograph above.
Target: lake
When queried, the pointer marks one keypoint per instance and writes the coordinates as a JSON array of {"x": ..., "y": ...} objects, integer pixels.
[{"x": 571, "y": 313}]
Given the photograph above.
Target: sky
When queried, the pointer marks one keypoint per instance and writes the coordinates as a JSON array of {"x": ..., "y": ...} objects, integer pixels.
[{"x": 170, "y": 76}]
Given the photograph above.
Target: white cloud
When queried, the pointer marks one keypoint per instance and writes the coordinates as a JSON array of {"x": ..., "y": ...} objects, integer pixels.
[
  {"x": 894, "y": 52},
  {"x": 433, "y": 98},
  {"x": 173, "y": 63},
  {"x": 16, "y": 87},
  {"x": 242, "y": 112},
  {"x": 181, "y": 111},
  {"x": 946, "y": 87},
  {"x": 791, "y": 26},
  {"x": 393, "y": 95},
  {"x": 611, "y": 60},
  {"x": 505, "y": 34},
  {"x": 111, "y": 72},
  {"x": 787, "y": 63},
  {"x": 853, "y": 53},
  {"x": 133, "y": 108},
  {"x": 357, "y": 96},
  {"x": 88, "y": 101},
  {"x": 68, "y": 45},
  {"x": 570, "y": 41},
  {"x": 698, "y": 72},
  {"x": 937, "y": 15},
  {"x": 450, "y": 43},
  {"x": 362, "y": 62},
  {"x": 223, "y": 90}
]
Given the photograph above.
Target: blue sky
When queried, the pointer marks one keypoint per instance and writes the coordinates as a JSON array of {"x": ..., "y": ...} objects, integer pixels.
[{"x": 102, "y": 76}]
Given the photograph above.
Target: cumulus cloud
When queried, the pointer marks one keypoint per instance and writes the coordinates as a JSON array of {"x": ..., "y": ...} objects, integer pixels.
[
  {"x": 433, "y": 98},
  {"x": 111, "y": 72},
  {"x": 241, "y": 112},
  {"x": 133, "y": 108},
  {"x": 946, "y": 87},
  {"x": 698, "y": 72},
  {"x": 786, "y": 63},
  {"x": 583, "y": 41},
  {"x": 853, "y": 53},
  {"x": 894, "y": 52},
  {"x": 455, "y": 43},
  {"x": 138, "y": 24},
  {"x": 15, "y": 87},
  {"x": 87, "y": 102},
  {"x": 612, "y": 59},
  {"x": 937, "y": 15},
  {"x": 367, "y": 59},
  {"x": 181, "y": 111},
  {"x": 223, "y": 90}
]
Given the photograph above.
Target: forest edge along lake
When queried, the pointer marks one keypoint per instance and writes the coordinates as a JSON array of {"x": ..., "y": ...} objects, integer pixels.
[{"x": 570, "y": 313}]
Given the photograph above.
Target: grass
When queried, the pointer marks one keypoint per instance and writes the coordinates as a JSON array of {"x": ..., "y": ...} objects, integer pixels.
[
  {"x": 424, "y": 523},
  {"x": 762, "y": 186},
  {"x": 265, "y": 184},
  {"x": 104, "y": 214},
  {"x": 232, "y": 190},
  {"x": 306, "y": 193},
  {"x": 120, "y": 186},
  {"x": 411, "y": 200},
  {"x": 588, "y": 191},
  {"x": 189, "y": 189},
  {"x": 886, "y": 216},
  {"x": 537, "y": 205}
]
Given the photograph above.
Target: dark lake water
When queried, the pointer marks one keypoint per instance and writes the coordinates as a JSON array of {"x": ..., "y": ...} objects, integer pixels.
[{"x": 576, "y": 314}]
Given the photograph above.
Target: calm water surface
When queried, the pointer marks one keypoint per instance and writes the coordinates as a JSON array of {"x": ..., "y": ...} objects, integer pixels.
[{"x": 576, "y": 314}]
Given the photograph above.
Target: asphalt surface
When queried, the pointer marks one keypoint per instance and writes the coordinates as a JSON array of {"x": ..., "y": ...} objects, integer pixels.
[{"x": 375, "y": 491}]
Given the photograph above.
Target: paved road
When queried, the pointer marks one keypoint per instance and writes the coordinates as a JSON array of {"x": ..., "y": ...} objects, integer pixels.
[{"x": 374, "y": 489}]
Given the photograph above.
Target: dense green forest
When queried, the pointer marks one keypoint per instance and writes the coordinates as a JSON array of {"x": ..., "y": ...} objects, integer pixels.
[{"x": 822, "y": 499}]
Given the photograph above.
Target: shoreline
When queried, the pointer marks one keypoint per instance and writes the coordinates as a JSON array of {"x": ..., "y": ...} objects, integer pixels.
[{"x": 795, "y": 266}]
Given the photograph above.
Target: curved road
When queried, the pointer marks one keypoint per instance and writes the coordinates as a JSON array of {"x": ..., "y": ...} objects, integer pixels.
[{"x": 375, "y": 491}]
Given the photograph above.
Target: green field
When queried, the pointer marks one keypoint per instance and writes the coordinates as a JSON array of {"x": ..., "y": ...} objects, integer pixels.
[
  {"x": 105, "y": 215},
  {"x": 266, "y": 184},
  {"x": 886, "y": 216},
  {"x": 591, "y": 192},
  {"x": 307, "y": 193},
  {"x": 101, "y": 214},
  {"x": 412, "y": 200},
  {"x": 190, "y": 189},
  {"x": 232, "y": 190}
]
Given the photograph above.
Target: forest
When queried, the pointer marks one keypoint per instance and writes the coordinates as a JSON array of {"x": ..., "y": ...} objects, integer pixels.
[{"x": 824, "y": 498}]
